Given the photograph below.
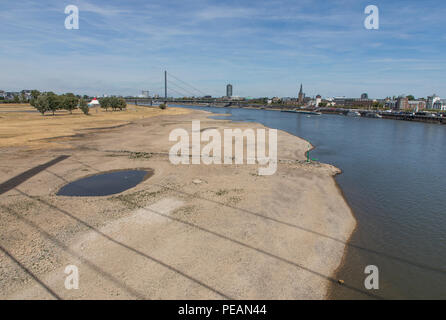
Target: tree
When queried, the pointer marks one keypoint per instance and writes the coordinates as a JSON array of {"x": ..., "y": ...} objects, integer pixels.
[
  {"x": 54, "y": 102},
  {"x": 84, "y": 106},
  {"x": 23, "y": 98},
  {"x": 69, "y": 102},
  {"x": 410, "y": 97},
  {"x": 35, "y": 94},
  {"x": 114, "y": 103},
  {"x": 122, "y": 104},
  {"x": 41, "y": 104},
  {"x": 105, "y": 103},
  {"x": 16, "y": 98}
]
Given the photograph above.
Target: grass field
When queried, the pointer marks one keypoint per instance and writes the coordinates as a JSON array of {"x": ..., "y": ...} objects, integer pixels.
[{"x": 21, "y": 125}]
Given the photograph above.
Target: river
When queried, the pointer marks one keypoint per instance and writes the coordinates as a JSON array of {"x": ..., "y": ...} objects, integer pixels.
[{"x": 394, "y": 179}]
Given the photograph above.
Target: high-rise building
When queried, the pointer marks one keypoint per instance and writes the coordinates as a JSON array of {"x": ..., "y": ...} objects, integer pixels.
[
  {"x": 301, "y": 96},
  {"x": 229, "y": 90},
  {"x": 145, "y": 93}
]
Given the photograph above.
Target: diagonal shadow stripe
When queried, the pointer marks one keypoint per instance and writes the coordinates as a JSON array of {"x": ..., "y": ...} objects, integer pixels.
[
  {"x": 24, "y": 176},
  {"x": 382, "y": 254},
  {"x": 263, "y": 216},
  {"x": 379, "y": 253},
  {"x": 173, "y": 269},
  {"x": 10, "y": 256},
  {"x": 271, "y": 255},
  {"x": 61, "y": 245}
]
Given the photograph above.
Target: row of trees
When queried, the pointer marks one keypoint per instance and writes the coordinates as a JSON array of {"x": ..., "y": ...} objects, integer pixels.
[
  {"x": 51, "y": 102},
  {"x": 114, "y": 103}
]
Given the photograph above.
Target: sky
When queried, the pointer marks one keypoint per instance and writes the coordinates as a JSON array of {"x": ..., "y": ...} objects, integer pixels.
[{"x": 263, "y": 48}]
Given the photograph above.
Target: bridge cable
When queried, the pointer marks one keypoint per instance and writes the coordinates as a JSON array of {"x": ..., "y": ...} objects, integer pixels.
[{"x": 176, "y": 78}]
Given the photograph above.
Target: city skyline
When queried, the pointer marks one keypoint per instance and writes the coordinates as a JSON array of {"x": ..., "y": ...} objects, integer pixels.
[{"x": 268, "y": 51}]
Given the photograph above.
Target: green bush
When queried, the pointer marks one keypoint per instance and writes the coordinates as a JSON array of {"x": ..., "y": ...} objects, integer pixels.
[
  {"x": 84, "y": 106},
  {"x": 163, "y": 106},
  {"x": 122, "y": 104},
  {"x": 54, "y": 102},
  {"x": 113, "y": 102},
  {"x": 41, "y": 104},
  {"x": 105, "y": 103},
  {"x": 69, "y": 102}
]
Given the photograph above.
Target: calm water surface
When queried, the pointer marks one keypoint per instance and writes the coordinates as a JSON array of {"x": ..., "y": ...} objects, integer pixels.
[
  {"x": 104, "y": 184},
  {"x": 394, "y": 178}
]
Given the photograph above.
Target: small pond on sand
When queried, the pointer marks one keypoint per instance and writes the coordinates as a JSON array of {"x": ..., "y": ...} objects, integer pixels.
[{"x": 104, "y": 184}]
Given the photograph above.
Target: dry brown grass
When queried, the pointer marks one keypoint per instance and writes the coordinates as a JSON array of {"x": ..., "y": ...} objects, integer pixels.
[{"x": 21, "y": 126}]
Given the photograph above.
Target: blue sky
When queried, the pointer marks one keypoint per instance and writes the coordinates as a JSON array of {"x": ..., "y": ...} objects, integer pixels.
[{"x": 264, "y": 48}]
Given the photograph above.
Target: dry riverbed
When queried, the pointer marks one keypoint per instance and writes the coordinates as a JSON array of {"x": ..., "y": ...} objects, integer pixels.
[{"x": 187, "y": 232}]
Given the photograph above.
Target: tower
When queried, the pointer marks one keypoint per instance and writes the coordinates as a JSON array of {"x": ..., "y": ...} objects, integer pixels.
[
  {"x": 229, "y": 90},
  {"x": 301, "y": 95},
  {"x": 165, "y": 85}
]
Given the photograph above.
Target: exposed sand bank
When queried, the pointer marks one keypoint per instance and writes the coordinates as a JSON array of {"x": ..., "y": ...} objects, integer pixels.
[{"x": 188, "y": 232}]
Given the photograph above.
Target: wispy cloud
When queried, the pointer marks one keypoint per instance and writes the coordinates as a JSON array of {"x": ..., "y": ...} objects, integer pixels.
[{"x": 264, "y": 47}]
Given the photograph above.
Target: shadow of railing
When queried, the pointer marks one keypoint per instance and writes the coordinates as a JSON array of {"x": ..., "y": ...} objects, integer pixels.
[
  {"x": 235, "y": 241},
  {"x": 138, "y": 252},
  {"x": 30, "y": 273},
  {"x": 64, "y": 247},
  {"x": 271, "y": 255},
  {"x": 348, "y": 244},
  {"x": 288, "y": 224},
  {"x": 24, "y": 176},
  {"x": 285, "y": 223},
  {"x": 248, "y": 246}
]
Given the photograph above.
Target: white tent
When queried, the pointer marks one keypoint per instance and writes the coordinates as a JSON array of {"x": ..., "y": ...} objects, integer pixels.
[{"x": 94, "y": 103}]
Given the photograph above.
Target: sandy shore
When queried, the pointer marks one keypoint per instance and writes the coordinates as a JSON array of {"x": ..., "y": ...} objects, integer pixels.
[{"x": 188, "y": 232}]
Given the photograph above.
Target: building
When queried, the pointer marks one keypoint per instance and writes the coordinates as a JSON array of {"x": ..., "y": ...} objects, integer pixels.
[
  {"x": 440, "y": 104},
  {"x": 431, "y": 100},
  {"x": 301, "y": 96},
  {"x": 364, "y": 96},
  {"x": 289, "y": 101},
  {"x": 144, "y": 93},
  {"x": 353, "y": 102},
  {"x": 402, "y": 103},
  {"x": 27, "y": 94},
  {"x": 318, "y": 100},
  {"x": 229, "y": 90},
  {"x": 11, "y": 95},
  {"x": 417, "y": 105},
  {"x": 390, "y": 104},
  {"x": 330, "y": 102}
]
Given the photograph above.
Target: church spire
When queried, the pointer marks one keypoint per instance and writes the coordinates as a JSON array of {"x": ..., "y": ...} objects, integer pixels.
[{"x": 301, "y": 96}]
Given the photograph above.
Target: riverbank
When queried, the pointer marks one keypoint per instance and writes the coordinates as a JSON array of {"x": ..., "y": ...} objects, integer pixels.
[
  {"x": 426, "y": 117},
  {"x": 188, "y": 232}
]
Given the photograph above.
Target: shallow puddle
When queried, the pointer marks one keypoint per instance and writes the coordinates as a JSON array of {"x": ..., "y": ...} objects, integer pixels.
[{"x": 105, "y": 184}]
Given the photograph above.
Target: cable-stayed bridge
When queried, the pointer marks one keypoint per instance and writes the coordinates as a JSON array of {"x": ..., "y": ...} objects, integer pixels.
[{"x": 177, "y": 90}]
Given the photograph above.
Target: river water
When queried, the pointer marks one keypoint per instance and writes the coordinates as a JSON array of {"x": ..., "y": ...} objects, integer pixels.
[{"x": 394, "y": 178}]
